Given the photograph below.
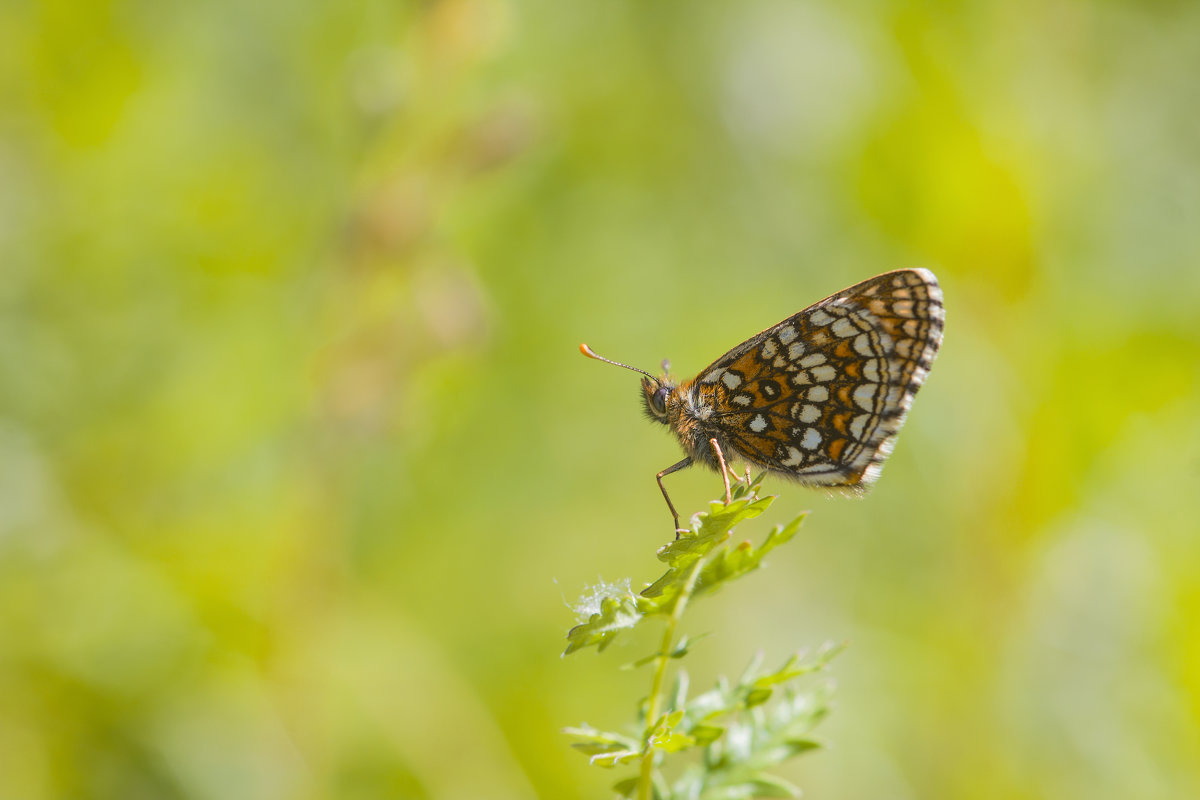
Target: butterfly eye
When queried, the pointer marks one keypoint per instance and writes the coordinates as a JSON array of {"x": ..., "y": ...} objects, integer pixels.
[{"x": 659, "y": 401}]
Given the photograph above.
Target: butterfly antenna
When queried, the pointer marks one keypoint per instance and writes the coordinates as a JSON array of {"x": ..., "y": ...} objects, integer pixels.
[{"x": 587, "y": 351}]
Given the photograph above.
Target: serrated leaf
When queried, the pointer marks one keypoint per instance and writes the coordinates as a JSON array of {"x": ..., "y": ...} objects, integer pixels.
[
  {"x": 597, "y": 741},
  {"x": 742, "y": 728},
  {"x": 672, "y": 741},
  {"x": 664, "y": 736},
  {"x": 721, "y": 565},
  {"x": 604, "y": 748},
  {"x": 616, "y": 614},
  {"x": 711, "y": 529},
  {"x": 737, "y": 561}
]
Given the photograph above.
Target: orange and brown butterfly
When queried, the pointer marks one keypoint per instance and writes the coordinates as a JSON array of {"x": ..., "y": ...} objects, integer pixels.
[{"x": 818, "y": 398}]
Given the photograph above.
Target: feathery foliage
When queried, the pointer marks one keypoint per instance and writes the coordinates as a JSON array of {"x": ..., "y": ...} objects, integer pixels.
[{"x": 740, "y": 729}]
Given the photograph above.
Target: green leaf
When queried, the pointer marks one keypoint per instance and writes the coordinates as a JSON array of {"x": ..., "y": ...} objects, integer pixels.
[
  {"x": 605, "y": 748},
  {"x": 798, "y": 746},
  {"x": 742, "y": 728},
  {"x": 710, "y": 530},
  {"x": 741, "y": 488},
  {"x": 615, "y": 758},
  {"x": 665, "y": 737},
  {"x": 706, "y": 734},
  {"x": 672, "y": 741},
  {"x": 626, "y": 787},
  {"x": 724, "y": 563},
  {"x": 791, "y": 670},
  {"x": 735, "y": 562},
  {"x": 595, "y": 741},
  {"x": 617, "y": 613},
  {"x": 681, "y": 649},
  {"x": 771, "y": 786},
  {"x": 615, "y": 609}
]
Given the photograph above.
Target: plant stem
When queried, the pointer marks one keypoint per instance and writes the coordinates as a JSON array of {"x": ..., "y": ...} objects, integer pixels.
[{"x": 653, "y": 710}]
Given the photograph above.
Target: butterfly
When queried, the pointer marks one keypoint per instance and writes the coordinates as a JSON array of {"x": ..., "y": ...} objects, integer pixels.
[{"x": 818, "y": 398}]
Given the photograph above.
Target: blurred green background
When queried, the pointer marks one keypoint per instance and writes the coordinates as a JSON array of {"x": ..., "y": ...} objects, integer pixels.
[{"x": 300, "y": 465}]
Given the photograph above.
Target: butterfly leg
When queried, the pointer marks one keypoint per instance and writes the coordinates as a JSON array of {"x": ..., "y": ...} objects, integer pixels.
[
  {"x": 687, "y": 462},
  {"x": 724, "y": 469},
  {"x": 733, "y": 476}
]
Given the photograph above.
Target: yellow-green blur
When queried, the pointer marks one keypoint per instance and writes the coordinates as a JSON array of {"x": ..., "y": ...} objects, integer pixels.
[{"x": 301, "y": 468}]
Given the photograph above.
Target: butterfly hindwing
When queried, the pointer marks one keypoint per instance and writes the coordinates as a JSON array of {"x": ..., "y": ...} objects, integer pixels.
[{"x": 821, "y": 396}]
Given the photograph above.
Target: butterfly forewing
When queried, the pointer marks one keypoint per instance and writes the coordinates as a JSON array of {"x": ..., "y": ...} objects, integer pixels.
[{"x": 821, "y": 395}]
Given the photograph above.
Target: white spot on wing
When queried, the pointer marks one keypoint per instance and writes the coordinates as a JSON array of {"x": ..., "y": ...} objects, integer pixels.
[
  {"x": 795, "y": 350},
  {"x": 758, "y": 424},
  {"x": 811, "y": 438},
  {"x": 795, "y": 457},
  {"x": 731, "y": 380},
  {"x": 819, "y": 317},
  {"x": 809, "y": 413},
  {"x": 864, "y": 395},
  {"x": 818, "y": 394},
  {"x": 824, "y": 373},
  {"x": 786, "y": 334},
  {"x": 843, "y": 328},
  {"x": 862, "y": 345},
  {"x": 813, "y": 360}
]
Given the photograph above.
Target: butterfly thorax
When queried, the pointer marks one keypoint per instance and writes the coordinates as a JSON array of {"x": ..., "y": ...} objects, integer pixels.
[{"x": 686, "y": 409}]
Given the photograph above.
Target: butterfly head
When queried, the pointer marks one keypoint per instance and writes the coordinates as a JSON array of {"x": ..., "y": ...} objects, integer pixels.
[{"x": 656, "y": 392}]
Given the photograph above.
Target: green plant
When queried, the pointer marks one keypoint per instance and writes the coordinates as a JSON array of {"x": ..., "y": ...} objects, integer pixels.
[{"x": 740, "y": 729}]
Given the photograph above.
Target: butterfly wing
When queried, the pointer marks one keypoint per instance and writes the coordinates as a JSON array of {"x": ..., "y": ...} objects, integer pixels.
[{"x": 821, "y": 396}]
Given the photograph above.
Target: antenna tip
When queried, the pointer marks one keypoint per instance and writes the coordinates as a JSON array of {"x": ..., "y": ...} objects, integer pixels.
[{"x": 587, "y": 351}]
